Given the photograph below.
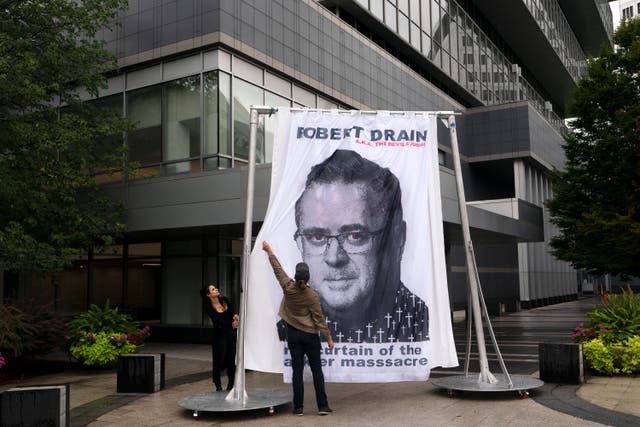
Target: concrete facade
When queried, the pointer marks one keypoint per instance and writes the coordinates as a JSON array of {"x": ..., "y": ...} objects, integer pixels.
[{"x": 364, "y": 54}]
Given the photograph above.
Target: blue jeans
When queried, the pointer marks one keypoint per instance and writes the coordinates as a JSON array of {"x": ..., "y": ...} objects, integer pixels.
[{"x": 301, "y": 344}]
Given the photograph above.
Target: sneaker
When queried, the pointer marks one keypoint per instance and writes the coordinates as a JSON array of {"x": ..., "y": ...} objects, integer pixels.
[
  {"x": 298, "y": 412},
  {"x": 324, "y": 410}
]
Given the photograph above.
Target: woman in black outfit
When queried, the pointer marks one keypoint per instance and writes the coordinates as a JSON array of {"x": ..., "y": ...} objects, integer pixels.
[{"x": 225, "y": 323}]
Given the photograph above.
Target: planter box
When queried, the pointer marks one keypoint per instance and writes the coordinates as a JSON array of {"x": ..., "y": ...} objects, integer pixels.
[
  {"x": 561, "y": 363},
  {"x": 35, "y": 406},
  {"x": 140, "y": 373}
]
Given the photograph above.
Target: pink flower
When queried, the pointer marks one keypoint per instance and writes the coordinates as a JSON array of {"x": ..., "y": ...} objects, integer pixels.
[{"x": 2, "y": 361}]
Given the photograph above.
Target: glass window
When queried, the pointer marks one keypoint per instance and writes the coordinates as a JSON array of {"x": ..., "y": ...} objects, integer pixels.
[
  {"x": 445, "y": 25},
  {"x": 217, "y": 87},
  {"x": 426, "y": 45},
  {"x": 453, "y": 28},
  {"x": 244, "y": 96},
  {"x": 415, "y": 36},
  {"x": 144, "y": 108},
  {"x": 403, "y": 6},
  {"x": 376, "y": 8},
  {"x": 73, "y": 287},
  {"x": 414, "y": 11},
  {"x": 425, "y": 12},
  {"x": 436, "y": 25},
  {"x": 403, "y": 26},
  {"x": 106, "y": 146},
  {"x": 390, "y": 15},
  {"x": 454, "y": 70},
  {"x": 181, "y": 122},
  {"x": 272, "y": 100}
]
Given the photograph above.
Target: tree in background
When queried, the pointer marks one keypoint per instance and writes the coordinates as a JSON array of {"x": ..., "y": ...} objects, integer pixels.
[
  {"x": 52, "y": 146},
  {"x": 596, "y": 203}
]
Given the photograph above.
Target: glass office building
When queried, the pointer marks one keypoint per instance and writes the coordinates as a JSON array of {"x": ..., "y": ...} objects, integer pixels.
[{"x": 190, "y": 69}]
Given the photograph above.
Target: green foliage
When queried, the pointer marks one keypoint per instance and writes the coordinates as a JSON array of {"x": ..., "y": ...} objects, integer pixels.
[
  {"x": 585, "y": 332},
  {"x": 613, "y": 358},
  {"x": 619, "y": 316},
  {"x": 29, "y": 329},
  {"x": 611, "y": 337},
  {"x": 98, "y": 336},
  {"x": 101, "y": 349},
  {"x": 596, "y": 203},
  {"x": 97, "y": 320},
  {"x": 52, "y": 144},
  {"x": 630, "y": 359},
  {"x": 600, "y": 357},
  {"x": 14, "y": 325}
]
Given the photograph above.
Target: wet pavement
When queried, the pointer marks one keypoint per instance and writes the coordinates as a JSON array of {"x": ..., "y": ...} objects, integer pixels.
[{"x": 599, "y": 401}]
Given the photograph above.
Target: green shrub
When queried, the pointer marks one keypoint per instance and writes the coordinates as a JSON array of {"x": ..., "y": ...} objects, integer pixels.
[
  {"x": 101, "y": 349},
  {"x": 630, "y": 359},
  {"x": 48, "y": 324},
  {"x": 613, "y": 358},
  {"x": 14, "y": 325},
  {"x": 97, "y": 320},
  {"x": 98, "y": 336},
  {"x": 29, "y": 329},
  {"x": 599, "y": 356},
  {"x": 619, "y": 316},
  {"x": 611, "y": 336}
]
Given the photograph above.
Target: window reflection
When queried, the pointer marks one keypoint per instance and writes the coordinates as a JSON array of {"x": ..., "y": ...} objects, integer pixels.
[
  {"x": 144, "y": 107},
  {"x": 244, "y": 96},
  {"x": 217, "y": 113},
  {"x": 186, "y": 124},
  {"x": 181, "y": 119}
]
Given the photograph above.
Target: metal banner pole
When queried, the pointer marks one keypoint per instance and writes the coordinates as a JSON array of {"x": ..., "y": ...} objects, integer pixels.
[
  {"x": 238, "y": 399},
  {"x": 486, "y": 381},
  {"x": 239, "y": 390},
  {"x": 485, "y": 374}
]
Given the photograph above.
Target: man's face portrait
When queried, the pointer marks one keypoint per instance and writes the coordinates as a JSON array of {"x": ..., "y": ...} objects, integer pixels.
[{"x": 338, "y": 234}]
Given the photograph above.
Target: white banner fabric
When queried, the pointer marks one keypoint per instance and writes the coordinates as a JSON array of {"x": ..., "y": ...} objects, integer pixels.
[{"x": 356, "y": 196}]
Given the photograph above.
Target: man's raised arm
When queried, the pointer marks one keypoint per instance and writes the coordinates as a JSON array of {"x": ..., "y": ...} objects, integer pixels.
[{"x": 282, "y": 277}]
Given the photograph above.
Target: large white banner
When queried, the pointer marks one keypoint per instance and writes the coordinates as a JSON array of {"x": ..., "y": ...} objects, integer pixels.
[{"x": 356, "y": 196}]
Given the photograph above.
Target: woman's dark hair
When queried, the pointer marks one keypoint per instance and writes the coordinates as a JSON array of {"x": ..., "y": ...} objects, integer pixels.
[{"x": 204, "y": 292}]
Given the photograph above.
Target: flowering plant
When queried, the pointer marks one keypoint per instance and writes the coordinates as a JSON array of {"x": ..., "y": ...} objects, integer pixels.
[
  {"x": 100, "y": 335},
  {"x": 583, "y": 333},
  {"x": 101, "y": 349},
  {"x": 2, "y": 361},
  {"x": 139, "y": 336},
  {"x": 611, "y": 336}
]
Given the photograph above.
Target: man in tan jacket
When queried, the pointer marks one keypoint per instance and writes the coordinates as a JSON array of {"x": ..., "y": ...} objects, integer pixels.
[{"x": 300, "y": 309}]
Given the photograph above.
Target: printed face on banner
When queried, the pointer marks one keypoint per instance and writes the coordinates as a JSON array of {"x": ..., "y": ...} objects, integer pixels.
[
  {"x": 356, "y": 197},
  {"x": 337, "y": 230},
  {"x": 351, "y": 232}
]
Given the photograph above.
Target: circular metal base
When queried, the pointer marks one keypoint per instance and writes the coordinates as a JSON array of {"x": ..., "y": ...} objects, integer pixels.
[
  {"x": 521, "y": 383},
  {"x": 213, "y": 401}
]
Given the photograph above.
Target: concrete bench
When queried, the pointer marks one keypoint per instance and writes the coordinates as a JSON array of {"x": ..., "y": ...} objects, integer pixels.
[
  {"x": 140, "y": 373},
  {"x": 561, "y": 363},
  {"x": 46, "y": 405}
]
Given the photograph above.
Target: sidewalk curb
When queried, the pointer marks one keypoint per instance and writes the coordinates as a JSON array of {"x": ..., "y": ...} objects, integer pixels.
[
  {"x": 91, "y": 411},
  {"x": 563, "y": 398}
]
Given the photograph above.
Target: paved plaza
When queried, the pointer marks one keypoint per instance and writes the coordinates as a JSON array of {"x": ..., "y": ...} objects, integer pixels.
[{"x": 599, "y": 401}]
